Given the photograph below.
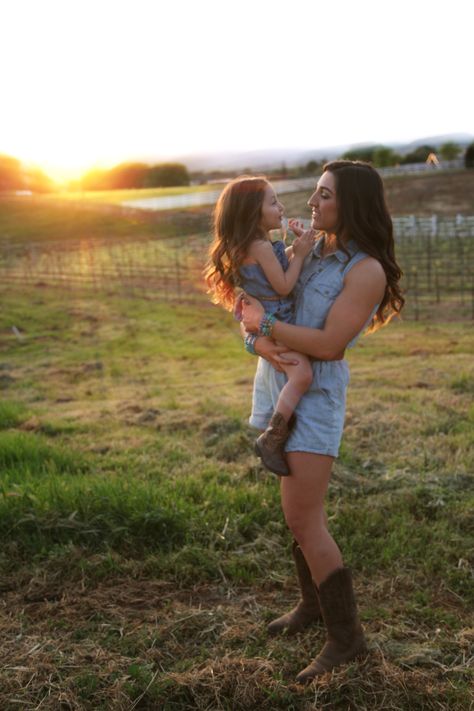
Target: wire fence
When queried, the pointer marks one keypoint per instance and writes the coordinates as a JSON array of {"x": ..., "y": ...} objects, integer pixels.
[{"x": 435, "y": 253}]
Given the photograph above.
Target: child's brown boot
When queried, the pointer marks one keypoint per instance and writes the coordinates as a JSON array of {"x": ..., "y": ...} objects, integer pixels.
[{"x": 270, "y": 445}]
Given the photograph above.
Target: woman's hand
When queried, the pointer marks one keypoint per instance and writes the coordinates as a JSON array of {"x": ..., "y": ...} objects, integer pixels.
[
  {"x": 252, "y": 313},
  {"x": 274, "y": 353}
]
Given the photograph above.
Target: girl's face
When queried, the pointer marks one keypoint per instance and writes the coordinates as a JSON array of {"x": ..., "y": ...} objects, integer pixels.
[
  {"x": 272, "y": 211},
  {"x": 323, "y": 204}
]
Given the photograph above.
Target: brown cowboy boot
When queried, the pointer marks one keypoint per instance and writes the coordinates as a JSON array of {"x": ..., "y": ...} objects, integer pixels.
[
  {"x": 269, "y": 446},
  {"x": 307, "y": 611},
  {"x": 345, "y": 639}
]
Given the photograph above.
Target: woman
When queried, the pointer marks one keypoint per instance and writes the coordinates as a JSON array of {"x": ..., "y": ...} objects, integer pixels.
[{"x": 350, "y": 281}]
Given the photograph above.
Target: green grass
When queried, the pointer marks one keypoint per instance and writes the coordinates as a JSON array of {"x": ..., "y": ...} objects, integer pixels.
[
  {"x": 145, "y": 546},
  {"x": 11, "y": 414},
  {"x": 45, "y": 220}
]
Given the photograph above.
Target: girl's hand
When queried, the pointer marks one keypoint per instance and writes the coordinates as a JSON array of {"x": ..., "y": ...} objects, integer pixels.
[
  {"x": 268, "y": 349},
  {"x": 303, "y": 244},
  {"x": 296, "y": 226},
  {"x": 252, "y": 313}
]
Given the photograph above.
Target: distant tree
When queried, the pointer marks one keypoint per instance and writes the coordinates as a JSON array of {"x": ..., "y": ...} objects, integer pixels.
[
  {"x": 469, "y": 156},
  {"x": 365, "y": 153},
  {"x": 166, "y": 175},
  {"x": 38, "y": 182},
  {"x": 136, "y": 175},
  {"x": 384, "y": 157},
  {"x": 11, "y": 174},
  {"x": 419, "y": 155},
  {"x": 449, "y": 150},
  {"x": 311, "y": 167},
  {"x": 126, "y": 176}
]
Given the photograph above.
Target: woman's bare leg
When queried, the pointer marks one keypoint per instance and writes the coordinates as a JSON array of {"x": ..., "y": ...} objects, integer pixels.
[{"x": 302, "y": 495}]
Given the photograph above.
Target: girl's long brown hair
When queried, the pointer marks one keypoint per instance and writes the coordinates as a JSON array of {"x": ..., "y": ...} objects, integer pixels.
[
  {"x": 364, "y": 217},
  {"x": 236, "y": 224}
]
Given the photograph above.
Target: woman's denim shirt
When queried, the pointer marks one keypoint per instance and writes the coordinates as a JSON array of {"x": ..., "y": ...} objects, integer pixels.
[{"x": 320, "y": 283}]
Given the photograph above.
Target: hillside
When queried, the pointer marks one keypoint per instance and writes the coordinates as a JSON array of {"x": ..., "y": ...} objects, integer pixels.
[
  {"x": 269, "y": 158},
  {"x": 447, "y": 193}
]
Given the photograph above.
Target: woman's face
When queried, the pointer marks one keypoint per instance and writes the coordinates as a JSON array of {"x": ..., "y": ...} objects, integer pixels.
[
  {"x": 272, "y": 211},
  {"x": 323, "y": 204}
]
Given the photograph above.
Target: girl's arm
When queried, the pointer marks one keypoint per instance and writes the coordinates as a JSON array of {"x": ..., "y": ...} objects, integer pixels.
[
  {"x": 298, "y": 229},
  {"x": 282, "y": 282},
  {"x": 364, "y": 287}
]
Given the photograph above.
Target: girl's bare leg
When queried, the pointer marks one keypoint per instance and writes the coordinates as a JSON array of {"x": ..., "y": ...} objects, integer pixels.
[
  {"x": 302, "y": 496},
  {"x": 300, "y": 377},
  {"x": 270, "y": 445}
]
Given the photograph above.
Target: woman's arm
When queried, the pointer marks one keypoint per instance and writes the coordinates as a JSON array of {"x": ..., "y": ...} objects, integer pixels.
[
  {"x": 271, "y": 351},
  {"x": 364, "y": 287}
]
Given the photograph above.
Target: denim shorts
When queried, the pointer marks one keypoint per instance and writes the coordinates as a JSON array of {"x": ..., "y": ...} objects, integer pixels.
[{"x": 320, "y": 412}]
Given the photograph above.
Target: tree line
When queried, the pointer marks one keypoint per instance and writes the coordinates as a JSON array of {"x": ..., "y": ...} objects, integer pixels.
[
  {"x": 379, "y": 156},
  {"x": 15, "y": 176},
  {"x": 136, "y": 175},
  {"x": 384, "y": 156}
]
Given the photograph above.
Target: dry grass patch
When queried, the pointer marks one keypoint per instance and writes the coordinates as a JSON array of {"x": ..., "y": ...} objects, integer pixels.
[{"x": 144, "y": 642}]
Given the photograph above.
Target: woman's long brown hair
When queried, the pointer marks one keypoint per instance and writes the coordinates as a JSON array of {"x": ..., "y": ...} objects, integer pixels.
[
  {"x": 364, "y": 217},
  {"x": 236, "y": 224}
]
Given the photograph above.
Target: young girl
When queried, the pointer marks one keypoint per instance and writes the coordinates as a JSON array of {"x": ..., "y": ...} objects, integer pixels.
[{"x": 242, "y": 256}]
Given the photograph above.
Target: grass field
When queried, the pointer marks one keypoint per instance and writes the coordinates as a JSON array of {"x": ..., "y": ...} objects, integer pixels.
[
  {"x": 143, "y": 547},
  {"x": 45, "y": 222},
  {"x": 96, "y": 215},
  {"x": 114, "y": 197}
]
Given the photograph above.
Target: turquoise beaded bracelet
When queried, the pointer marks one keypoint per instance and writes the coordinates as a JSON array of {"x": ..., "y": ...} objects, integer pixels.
[
  {"x": 249, "y": 341},
  {"x": 266, "y": 324}
]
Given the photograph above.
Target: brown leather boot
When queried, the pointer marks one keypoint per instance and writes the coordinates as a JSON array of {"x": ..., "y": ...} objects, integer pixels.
[
  {"x": 269, "y": 446},
  {"x": 307, "y": 611},
  {"x": 345, "y": 639}
]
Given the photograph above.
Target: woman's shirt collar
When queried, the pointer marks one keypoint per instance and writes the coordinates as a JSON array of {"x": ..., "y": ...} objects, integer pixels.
[{"x": 340, "y": 254}]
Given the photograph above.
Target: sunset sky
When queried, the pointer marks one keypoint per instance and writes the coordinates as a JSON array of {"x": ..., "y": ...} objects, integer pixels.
[{"x": 97, "y": 82}]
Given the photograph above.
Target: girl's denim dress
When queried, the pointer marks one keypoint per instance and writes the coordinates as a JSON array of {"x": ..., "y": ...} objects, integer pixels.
[{"x": 254, "y": 282}]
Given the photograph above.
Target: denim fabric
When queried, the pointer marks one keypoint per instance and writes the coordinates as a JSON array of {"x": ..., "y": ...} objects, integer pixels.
[
  {"x": 254, "y": 282},
  {"x": 320, "y": 413}
]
